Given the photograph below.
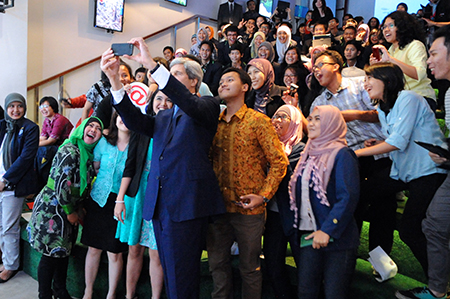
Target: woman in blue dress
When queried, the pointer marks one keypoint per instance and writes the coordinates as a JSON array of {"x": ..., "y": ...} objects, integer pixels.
[
  {"x": 99, "y": 227},
  {"x": 132, "y": 229}
]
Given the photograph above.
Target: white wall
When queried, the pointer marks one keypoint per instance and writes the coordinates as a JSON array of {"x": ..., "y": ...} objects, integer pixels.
[
  {"x": 62, "y": 36},
  {"x": 13, "y": 50},
  {"x": 68, "y": 38},
  {"x": 356, "y": 8}
]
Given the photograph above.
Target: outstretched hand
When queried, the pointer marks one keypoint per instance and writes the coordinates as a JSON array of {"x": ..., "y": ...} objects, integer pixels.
[
  {"x": 143, "y": 57},
  {"x": 110, "y": 64}
]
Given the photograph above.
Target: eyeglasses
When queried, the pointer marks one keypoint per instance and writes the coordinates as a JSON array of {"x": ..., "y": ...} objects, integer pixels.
[
  {"x": 281, "y": 117},
  {"x": 44, "y": 106},
  {"x": 320, "y": 65},
  {"x": 390, "y": 26}
]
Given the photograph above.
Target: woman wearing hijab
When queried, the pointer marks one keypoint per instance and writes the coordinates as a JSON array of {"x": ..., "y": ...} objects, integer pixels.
[
  {"x": 324, "y": 192},
  {"x": 363, "y": 34},
  {"x": 266, "y": 51},
  {"x": 287, "y": 122},
  {"x": 202, "y": 35},
  {"x": 265, "y": 96},
  {"x": 283, "y": 42},
  {"x": 57, "y": 210},
  {"x": 19, "y": 138},
  {"x": 257, "y": 40}
]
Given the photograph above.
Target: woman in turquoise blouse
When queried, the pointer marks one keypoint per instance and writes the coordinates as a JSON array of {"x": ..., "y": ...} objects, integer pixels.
[
  {"x": 132, "y": 229},
  {"x": 405, "y": 117},
  {"x": 99, "y": 227}
]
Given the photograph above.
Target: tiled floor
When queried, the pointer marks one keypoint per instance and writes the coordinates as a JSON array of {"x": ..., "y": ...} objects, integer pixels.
[{"x": 21, "y": 286}]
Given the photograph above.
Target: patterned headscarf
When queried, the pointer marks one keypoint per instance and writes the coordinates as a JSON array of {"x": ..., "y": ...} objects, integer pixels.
[
  {"x": 262, "y": 94},
  {"x": 322, "y": 152}
]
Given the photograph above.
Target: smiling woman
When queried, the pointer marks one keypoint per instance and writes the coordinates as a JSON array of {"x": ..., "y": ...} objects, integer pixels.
[
  {"x": 405, "y": 117},
  {"x": 19, "y": 139},
  {"x": 56, "y": 127},
  {"x": 58, "y": 209},
  {"x": 408, "y": 51},
  {"x": 266, "y": 97}
]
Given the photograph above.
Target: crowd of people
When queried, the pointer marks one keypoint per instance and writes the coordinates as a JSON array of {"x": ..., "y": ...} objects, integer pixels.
[{"x": 262, "y": 132}]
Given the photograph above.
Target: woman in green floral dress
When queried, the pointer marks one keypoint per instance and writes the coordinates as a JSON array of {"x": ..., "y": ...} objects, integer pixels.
[{"x": 53, "y": 227}]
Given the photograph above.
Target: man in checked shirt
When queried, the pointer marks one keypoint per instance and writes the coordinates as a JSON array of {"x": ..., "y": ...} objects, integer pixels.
[
  {"x": 349, "y": 95},
  {"x": 250, "y": 163}
]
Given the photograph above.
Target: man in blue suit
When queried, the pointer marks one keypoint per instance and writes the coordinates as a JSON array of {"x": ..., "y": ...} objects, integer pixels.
[{"x": 182, "y": 190}]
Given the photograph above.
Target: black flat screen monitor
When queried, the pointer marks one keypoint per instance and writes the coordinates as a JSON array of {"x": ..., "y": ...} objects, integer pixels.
[
  {"x": 179, "y": 2},
  {"x": 109, "y": 14}
]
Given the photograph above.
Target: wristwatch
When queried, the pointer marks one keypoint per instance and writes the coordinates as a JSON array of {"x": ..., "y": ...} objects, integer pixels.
[
  {"x": 155, "y": 68},
  {"x": 265, "y": 199},
  {"x": 4, "y": 181}
]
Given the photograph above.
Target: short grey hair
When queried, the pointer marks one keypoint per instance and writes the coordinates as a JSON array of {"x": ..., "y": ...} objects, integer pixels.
[{"x": 193, "y": 69}]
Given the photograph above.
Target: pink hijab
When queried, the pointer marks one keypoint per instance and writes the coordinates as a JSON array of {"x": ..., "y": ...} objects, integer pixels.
[
  {"x": 294, "y": 133},
  {"x": 366, "y": 28},
  {"x": 322, "y": 151},
  {"x": 262, "y": 94}
]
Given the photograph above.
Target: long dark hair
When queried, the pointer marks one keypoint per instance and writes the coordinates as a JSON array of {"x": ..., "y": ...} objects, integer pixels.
[
  {"x": 377, "y": 26},
  {"x": 113, "y": 133},
  {"x": 324, "y": 5},
  {"x": 297, "y": 50},
  {"x": 392, "y": 77},
  {"x": 408, "y": 29}
]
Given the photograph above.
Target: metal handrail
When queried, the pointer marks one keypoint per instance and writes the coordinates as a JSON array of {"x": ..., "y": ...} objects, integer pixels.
[{"x": 57, "y": 76}]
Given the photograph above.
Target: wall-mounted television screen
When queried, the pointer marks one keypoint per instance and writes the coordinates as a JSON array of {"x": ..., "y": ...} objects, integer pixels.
[
  {"x": 179, "y": 2},
  {"x": 109, "y": 14}
]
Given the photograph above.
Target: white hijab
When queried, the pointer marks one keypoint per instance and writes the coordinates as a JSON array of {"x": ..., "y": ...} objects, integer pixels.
[{"x": 281, "y": 48}]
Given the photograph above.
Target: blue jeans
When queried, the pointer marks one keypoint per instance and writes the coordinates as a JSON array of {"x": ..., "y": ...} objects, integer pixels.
[{"x": 334, "y": 268}]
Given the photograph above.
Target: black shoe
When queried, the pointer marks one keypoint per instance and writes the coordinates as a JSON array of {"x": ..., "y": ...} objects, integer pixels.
[{"x": 62, "y": 294}]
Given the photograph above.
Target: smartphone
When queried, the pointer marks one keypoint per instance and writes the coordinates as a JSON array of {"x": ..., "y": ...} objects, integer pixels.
[
  {"x": 376, "y": 53},
  {"x": 122, "y": 49},
  {"x": 293, "y": 89}
]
